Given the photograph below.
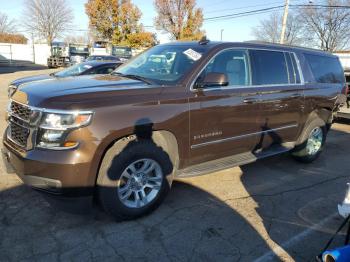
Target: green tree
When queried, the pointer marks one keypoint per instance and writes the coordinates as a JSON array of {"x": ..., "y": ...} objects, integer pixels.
[{"x": 180, "y": 18}]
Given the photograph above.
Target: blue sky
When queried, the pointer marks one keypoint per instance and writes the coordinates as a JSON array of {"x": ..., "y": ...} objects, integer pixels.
[{"x": 238, "y": 29}]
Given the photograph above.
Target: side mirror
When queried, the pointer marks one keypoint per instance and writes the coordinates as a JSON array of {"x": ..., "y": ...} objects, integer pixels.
[{"x": 212, "y": 80}]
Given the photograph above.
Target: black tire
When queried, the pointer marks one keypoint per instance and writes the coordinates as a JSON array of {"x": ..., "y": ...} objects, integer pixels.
[
  {"x": 300, "y": 152},
  {"x": 111, "y": 170}
]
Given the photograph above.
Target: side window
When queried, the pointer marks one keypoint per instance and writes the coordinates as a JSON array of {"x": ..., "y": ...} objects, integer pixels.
[
  {"x": 105, "y": 70},
  {"x": 233, "y": 63},
  {"x": 268, "y": 67},
  {"x": 326, "y": 69},
  {"x": 102, "y": 70}
]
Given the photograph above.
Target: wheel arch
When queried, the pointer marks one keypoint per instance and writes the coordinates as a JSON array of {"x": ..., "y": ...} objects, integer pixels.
[{"x": 162, "y": 138}]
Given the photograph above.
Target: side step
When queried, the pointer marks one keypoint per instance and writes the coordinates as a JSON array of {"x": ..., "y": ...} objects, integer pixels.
[
  {"x": 217, "y": 165},
  {"x": 232, "y": 161}
]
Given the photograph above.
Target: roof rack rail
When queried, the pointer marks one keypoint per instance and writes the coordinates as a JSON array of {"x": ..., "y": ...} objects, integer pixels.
[{"x": 203, "y": 41}]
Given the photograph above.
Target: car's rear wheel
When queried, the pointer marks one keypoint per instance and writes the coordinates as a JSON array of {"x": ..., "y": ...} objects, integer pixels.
[
  {"x": 135, "y": 181},
  {"x": 311, "y": 141}
]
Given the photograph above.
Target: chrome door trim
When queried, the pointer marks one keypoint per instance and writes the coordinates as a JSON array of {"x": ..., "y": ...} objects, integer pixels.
[{"x": 241, "y": 136}]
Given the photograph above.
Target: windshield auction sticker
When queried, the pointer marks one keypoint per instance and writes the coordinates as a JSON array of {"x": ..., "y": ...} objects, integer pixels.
[{"x": 192, "y": 54}]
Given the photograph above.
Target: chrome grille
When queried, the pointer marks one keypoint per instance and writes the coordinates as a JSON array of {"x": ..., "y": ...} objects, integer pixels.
[
  {"x": 19, "y": 134},
  {"x": 21, "y": 111},
  {"x": 22, "y": 121}
]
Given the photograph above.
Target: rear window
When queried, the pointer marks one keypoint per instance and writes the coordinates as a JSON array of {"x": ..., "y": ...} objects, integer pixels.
[
  {"x": 269, "y": 67},
  {"x": 325, "y": 69}
]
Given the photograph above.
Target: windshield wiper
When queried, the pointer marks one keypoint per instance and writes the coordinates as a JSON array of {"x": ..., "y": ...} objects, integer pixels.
[{"x": 136, "y": 77}]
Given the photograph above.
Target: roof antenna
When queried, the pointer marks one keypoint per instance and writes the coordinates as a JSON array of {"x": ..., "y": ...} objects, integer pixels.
[{"x": 204, "y": 40}]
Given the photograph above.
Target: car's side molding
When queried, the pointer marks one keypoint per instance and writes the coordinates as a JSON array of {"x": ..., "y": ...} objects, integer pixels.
[{"x": 242, "y": 136}]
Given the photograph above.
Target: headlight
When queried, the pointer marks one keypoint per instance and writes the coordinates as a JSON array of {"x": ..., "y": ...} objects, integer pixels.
[
  {"x": 65, "y": 121},
  {"x": 55, "y": 127}
]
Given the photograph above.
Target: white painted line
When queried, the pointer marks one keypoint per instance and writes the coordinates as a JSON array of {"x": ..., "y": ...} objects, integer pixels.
[{"x": 280, "y": 250}]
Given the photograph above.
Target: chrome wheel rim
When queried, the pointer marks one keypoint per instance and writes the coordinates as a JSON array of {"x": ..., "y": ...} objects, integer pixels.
[
  {"x": 314, "y": 143},
  {"x": 140, "y": 183}
]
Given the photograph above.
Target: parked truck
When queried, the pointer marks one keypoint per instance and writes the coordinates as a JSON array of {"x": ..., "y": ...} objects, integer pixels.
[
  {"x": 63, "y": 54},
  {"x": 124, "y": 53}
]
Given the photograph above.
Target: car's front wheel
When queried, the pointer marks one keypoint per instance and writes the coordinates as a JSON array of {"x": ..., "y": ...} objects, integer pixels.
[{"x": 135, "y": 182}]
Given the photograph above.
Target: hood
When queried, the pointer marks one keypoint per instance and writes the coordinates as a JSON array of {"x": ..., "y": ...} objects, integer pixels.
[
  {"x": 81, "y": 91},
  {"x": 28, "y": 79}
]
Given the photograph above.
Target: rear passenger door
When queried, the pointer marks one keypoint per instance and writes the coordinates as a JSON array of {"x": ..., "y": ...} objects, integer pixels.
[{"x": 281, "y": 100}]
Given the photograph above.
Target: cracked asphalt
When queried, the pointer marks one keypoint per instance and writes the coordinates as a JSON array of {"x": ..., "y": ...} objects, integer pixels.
[{"x": 272, "y": 210}]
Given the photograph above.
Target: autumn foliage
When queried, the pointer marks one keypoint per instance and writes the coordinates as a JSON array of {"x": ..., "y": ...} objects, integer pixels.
[
  {"x": 13, "y": 38},
  {"x": 118, "y": 22},
  {"x": 180, "y": 18}
]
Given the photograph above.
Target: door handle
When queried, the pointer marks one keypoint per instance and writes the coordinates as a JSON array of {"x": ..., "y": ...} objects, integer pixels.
[{"x": 249, "y": 100}]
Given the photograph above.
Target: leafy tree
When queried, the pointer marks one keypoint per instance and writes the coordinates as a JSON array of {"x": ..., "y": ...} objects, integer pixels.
[
  {"x": 180, "y": 18},
  {"x": 118, "y": 21},
  {"x": 12, "y": 38},
  {"x": 142, "y": 39},
  {"x": 48, "y": 19}
]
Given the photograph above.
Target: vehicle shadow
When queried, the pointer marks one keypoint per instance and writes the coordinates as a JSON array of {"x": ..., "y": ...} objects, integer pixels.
[
  {"x": 5, "y": 69},
  {"x": 297, "y": 202},
  {"x": 192, "y": 225}
]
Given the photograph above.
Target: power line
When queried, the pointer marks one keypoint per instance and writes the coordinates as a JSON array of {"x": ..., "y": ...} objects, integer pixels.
[
  {"x": 257, "y": 13},
  {"x": 269, "y": 9},
  {"x": 322, "y": 6},
  {"x": 239, "y": 8},
  {"x": 228, "y": 16}
]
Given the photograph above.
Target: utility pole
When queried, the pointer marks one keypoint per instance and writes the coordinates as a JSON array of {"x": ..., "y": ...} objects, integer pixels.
[
  {"x": 284, "y": 22},
  {"x": 33, "y": 47},
  {"x": 222, "y": 30}
]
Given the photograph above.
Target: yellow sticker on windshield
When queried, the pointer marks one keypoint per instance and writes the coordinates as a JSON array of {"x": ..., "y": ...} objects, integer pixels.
[{"x": 192, "y": 54}]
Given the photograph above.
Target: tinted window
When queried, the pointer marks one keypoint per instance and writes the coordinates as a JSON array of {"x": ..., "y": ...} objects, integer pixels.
[
  {"x": 268, "y": 67},
  {"x": 347, "y": 77},
  {"x": 102, "y": 70},
  {"x": 325, "y": 69},
  {"x": 233, "y": 63}
]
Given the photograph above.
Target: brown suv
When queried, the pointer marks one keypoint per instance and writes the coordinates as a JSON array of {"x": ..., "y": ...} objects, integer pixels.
[{"x": 176, "y": 110}]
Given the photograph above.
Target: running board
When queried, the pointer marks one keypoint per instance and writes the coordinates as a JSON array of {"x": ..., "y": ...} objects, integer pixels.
[{"x": 231, "y": 161}]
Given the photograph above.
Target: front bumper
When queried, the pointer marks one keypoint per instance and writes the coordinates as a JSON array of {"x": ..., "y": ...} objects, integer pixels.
[{"x": 54, "y": 172}]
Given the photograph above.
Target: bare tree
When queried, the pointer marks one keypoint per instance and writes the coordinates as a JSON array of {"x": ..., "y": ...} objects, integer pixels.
[
  {"x": 327, "y": 28},
  {"x": 7, "y": 25},
  {"x": 77, "y": 39},
  {"x": 269, "y": 30},
  {"x": 47, "y": 19}
]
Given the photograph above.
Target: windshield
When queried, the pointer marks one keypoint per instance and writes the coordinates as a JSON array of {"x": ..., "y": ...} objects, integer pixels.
[
  {"x": 73, "y": 70},
  {"x": 121, "y": 51},
  {"x": 163, "y": 64},
  {"x": 79, "y": 49}
]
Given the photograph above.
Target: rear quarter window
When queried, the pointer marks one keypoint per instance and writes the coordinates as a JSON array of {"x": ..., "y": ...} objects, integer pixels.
[{"x": 325, "y": 69}]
